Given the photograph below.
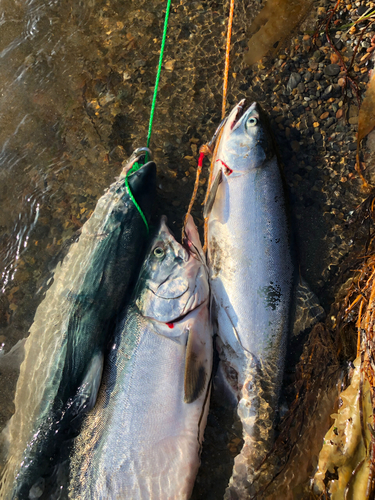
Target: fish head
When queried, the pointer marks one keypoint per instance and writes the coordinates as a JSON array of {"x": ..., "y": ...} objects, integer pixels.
[
  {"x": 138, "y": 156},
  {"x": 246, "y": 142},
  {"x": 173, "y": 279}
]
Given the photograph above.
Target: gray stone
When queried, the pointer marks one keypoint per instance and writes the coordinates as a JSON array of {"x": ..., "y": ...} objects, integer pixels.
[
  {"x": 361, "y": 10},
  {"x": 293, "y": 81},
  {"x": 307, "y": 76},
  {"x": 301, "y": 88},
  {"x": 317, "y": 136},
  {"x": 317, "y": 55},
  {"x": 332, "y": 70},
  {"x": 339, "y": 45},
  {"x": 331, "y": 91},
  {"x": 139, "y": 63}
]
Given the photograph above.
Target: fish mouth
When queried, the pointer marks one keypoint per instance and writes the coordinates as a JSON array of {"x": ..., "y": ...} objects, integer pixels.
[
  {"x": 236, "y": 113},
  {"x": 240, "y": 113},
  {"x": 181, "y": 318}
]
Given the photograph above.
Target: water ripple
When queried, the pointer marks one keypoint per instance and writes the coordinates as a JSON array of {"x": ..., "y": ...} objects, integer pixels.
[{"x": 20, "y": 238}]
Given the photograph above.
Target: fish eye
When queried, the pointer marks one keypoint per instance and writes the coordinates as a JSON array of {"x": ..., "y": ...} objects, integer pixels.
[
  {"x": 159, "y": 252},
  {"x": 252, "y": 121}
]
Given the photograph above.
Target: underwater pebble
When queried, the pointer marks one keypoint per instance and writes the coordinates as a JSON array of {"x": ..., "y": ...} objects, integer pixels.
[
  {"x": 332, "y": 70},
  {"x": 293, "y": 81}
]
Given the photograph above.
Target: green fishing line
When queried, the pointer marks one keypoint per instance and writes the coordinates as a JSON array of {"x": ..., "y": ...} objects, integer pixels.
[
  {"x": 136, "y": 165},
  {"x": 159, "y": 71},
  {"x": 134, "y": 168}
]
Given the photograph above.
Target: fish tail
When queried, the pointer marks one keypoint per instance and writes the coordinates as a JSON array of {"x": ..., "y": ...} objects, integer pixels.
[{"x": 256, "y": 410}]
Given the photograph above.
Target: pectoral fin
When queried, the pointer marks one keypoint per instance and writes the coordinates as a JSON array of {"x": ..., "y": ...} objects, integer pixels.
[
  {"x": 212, "y": 195},
  {"x": 195, "y": 368},
  {"x": 308, "y": 311}
]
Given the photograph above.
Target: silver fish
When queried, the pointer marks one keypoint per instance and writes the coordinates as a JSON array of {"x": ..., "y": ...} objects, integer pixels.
[
  {"x": 61, "y": 372},
  {"x": 252, "y": 278},
  {"x": 143, "y": 438}
]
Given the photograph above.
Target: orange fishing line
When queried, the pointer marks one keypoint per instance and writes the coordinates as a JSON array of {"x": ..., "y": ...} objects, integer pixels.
[
  {"x": 204, "y": 150},
  {"x": 227, "y": 52}
]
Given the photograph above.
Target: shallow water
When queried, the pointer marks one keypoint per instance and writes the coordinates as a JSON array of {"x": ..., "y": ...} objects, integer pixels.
[{"x": 76, "y": 82}]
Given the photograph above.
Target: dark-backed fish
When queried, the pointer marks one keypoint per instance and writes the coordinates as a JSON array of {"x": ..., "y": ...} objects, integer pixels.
[{"x": 61, "y": 372}]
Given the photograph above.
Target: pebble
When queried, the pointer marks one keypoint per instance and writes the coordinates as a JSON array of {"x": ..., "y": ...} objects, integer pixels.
[
  {"x": 317, "y": 136},
  {"x": 318, "y": 56},
  {"x": 293, "y": 81},
  {"x": 331, "y": 90},
  {"x": 169, "y": 65},
  {"x": 324, "y": 115},
  {"x": 332, "y": 70},
  {"x": 361, "y": 10},
  {"x": 339, "y": 45},
  {"x": 353, "y": 111},
  {"x": 295, "y": 146},
  {"x": 334, "y": 57}
]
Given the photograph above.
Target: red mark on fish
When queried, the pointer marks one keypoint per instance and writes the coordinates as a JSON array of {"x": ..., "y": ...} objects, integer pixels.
[
  {"x": 228, "y": 170},
  {"x": 170, "y": 325}
]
